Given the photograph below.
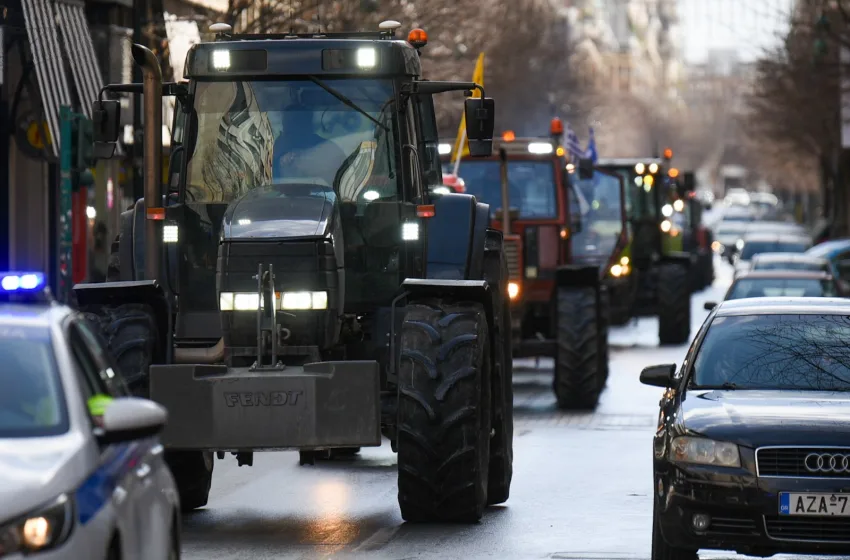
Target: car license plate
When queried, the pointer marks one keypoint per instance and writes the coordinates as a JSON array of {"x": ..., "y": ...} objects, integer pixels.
[{"x": 814, "y": 504}]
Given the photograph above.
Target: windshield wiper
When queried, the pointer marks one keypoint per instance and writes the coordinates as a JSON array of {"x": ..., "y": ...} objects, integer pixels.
[{"x": 347, "y": 101}]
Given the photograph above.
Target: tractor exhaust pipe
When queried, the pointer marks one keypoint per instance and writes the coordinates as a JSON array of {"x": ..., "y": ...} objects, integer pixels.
[
  {"x": 506, "y": 192},
  {"x": 152, "y": 89}
]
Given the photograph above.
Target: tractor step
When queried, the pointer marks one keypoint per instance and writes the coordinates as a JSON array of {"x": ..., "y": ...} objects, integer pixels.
[{"x": 319, "y": 405}]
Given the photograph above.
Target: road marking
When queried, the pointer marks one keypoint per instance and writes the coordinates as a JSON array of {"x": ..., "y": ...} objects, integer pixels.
[{"x": 378, "y": 539}]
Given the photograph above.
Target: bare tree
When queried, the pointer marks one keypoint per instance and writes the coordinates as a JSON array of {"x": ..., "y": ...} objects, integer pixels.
[{"x": 525, "y": 44}]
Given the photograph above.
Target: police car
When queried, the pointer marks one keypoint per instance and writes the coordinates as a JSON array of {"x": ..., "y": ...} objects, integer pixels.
[{"x": 82, "y": 473}]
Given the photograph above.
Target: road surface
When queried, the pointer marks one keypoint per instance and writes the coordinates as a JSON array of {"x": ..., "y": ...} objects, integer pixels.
[{"x": 581, "y": 487}]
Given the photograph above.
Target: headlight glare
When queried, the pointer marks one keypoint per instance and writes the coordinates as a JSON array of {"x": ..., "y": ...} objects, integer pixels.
[
  {"x": 45, "y": 528},
  {"x": 229, "y": 301},
  {"x": 703, "y": 451}
]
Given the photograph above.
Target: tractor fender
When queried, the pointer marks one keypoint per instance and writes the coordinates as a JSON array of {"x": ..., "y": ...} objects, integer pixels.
[
  {"x": 676, "y": 257},
  {"x": 147, "y": 292},
  {"x": 469, "y": 290},
  {"x": 577, "y": 276},
  {"x": 455, "y": 238}
]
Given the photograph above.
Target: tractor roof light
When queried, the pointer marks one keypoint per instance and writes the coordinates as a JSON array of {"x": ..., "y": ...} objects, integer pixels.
[
  {"x": 668, "y": 153},
  {"x": 417, "y": 38},
  {"x": 509, "y": 136},
  {"x": 556, "y": 127}
]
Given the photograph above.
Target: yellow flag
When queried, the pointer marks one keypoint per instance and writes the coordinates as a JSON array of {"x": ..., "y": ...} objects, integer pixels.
[{"x": 461, "y": 142}]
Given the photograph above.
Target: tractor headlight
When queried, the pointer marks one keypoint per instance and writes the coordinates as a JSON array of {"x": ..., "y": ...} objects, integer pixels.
[
  {"x": 229, "y": 301},
  {"x": 43, "y": 529},
  {"x": 513, "y": 290},
  {"x": 618, "y": 270}
]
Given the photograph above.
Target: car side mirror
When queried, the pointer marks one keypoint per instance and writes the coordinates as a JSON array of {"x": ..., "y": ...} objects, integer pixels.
[
  {"x": 585, "y": 168},
  {"x": 106, "y": 124},
  {"x": 709, "y": 305},
  {"x": 130, "y": 418},
  {"x": 480, "y": 115},
  {"x": 658, "y": 376}
]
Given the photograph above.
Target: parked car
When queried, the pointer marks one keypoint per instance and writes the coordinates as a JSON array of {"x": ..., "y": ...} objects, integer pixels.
[
  {"x": 789, "y": 261},
  {"x": 837, "y": 252},
  {"x": 726, "y": 235},
  {"x": 782, "y": 283},
  {"x": 752, "y": 447},
  {"x": 754, "y": 243}
]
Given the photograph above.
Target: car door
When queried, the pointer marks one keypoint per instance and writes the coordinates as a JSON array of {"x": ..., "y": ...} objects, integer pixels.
[
  {"x": 93, "y": 386},
  {"x": 151, "y": 511}
]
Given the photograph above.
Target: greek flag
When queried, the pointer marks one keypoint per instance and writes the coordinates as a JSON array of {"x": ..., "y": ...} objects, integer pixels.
[
  {"x": 573, "y": 146},
  {"x": 591, "y": 152}
]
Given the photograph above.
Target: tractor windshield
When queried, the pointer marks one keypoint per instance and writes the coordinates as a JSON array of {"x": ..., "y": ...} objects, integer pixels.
[
  {"x": 601, "y": 219},
  {"x": 292, "y": 135},
  {"x": 533, "y": 190}
]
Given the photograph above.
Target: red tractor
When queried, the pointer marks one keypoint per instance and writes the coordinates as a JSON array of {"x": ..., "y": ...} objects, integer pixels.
[{"x": 566, "y": 225}]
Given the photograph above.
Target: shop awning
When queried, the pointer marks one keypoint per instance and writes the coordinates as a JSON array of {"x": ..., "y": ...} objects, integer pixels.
[{"x": 45, "y": 21}]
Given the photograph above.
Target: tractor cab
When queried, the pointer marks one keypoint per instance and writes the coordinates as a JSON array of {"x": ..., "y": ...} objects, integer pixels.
[{"x": 540, "y": 197}]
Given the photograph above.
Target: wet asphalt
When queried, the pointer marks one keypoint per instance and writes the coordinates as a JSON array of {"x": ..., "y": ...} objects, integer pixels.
[{"x": 581, "y": 486}]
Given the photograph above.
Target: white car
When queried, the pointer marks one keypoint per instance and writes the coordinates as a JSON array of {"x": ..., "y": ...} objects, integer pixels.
[{"x": 82, "y": 474}]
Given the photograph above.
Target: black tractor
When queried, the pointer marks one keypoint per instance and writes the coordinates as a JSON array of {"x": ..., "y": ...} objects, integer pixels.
[{"x": 297, "y": 285}]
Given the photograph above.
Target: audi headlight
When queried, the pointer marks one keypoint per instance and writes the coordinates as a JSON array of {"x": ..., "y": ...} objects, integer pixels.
[
  {"x": 45, "y": 528},
  {"x": 228, "y": 301},
  {"x": 703, "y": 451}
]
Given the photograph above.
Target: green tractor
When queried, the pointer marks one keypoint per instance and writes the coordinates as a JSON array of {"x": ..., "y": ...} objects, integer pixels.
[{"x": 652, "y": 275}]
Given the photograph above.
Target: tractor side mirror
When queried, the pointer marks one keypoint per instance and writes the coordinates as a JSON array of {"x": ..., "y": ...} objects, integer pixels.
[
  {"x": 689, "y": 181},
  {"x": 106, "y": 124},
  {"x": 480, "y": 114},
  {"x": 585, "y": 168}
]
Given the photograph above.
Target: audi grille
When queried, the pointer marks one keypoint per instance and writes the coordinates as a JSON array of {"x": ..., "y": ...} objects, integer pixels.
[{"x": 803, "y": 462}]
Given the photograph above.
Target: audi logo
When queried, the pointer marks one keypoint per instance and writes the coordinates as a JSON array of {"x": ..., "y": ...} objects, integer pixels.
[{"x": 827, "y": 463}]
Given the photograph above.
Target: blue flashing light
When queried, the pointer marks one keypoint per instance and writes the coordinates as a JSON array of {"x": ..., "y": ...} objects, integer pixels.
[{"x": 17, "y": 282}]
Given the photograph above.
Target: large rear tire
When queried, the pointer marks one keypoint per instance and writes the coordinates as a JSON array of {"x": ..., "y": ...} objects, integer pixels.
[
  {"x": 578, "y": 375},
  {"x": 502, "y": 442},
  {"x": 443, "y": 412},
  {"x": 674, "y": 305},
  {"x": 132, "y": 337}
]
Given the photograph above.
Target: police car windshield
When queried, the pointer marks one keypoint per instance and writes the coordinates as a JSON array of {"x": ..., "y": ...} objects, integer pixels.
[
  {"x": 793, "y": 352},
  {"x": 293, "y": 132},
  {"x": 31, "y": 402},
  {"x": 531, "y": 184}
]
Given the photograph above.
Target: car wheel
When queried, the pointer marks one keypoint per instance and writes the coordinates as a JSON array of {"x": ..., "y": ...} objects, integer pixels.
[{"x": 660, "y": 549}]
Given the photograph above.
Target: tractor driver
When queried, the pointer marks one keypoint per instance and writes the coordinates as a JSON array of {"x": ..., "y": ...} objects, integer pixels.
[{"x": 301, "y": 153}]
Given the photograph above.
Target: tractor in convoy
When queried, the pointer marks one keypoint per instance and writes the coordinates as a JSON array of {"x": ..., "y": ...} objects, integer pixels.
[
  {"x": 296, "y": 285},
  {"x": 653, "y": 276},
  {"x": 563, "y": 224}
]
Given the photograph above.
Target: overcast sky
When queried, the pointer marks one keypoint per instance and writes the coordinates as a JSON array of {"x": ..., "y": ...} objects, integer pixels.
[{"x": 747, "y": 26}]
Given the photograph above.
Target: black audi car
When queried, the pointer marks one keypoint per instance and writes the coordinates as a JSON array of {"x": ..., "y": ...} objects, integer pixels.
[{"x": 752, "y": 450}]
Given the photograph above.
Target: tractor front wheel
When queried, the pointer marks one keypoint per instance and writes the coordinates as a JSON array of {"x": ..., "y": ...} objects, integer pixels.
[
  {"x": 674, "y": 305},
  {"x": 444, "y": 416},
  {"x": 579, "y": 376}
]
